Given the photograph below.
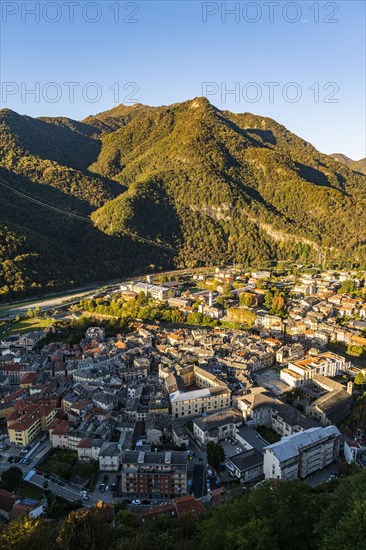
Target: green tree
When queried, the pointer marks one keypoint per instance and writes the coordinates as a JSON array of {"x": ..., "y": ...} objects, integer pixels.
[
  {"x": 359, "y": 379},
  {"x": 246, "y": 299},
  {"x": 87, "y": 529},
  {"x": 28, "y": 534},
  {"x": 215, "y": 454},
  {"x": 350, "y": 532},
  {"x": 268, "y": 299},
  {"x": 11, "y": 478}
]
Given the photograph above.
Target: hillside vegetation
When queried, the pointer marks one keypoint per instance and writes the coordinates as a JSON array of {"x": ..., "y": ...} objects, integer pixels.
[
  {"x": 356, "y": 165},
  {"x": 287, "y": 515},
  {"x": 213, "y": 185}
]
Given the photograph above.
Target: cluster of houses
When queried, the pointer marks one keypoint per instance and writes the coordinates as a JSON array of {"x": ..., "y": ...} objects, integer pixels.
[{"x": 123, "y": 401}]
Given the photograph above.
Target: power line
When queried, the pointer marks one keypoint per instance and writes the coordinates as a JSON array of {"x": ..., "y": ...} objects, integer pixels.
[
  {"x": 44, "y": 204},
  {"x": 79, "y": 217}
]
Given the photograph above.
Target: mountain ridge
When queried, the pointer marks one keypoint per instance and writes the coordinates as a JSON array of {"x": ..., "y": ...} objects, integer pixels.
[{"x": 218, "y": 186}]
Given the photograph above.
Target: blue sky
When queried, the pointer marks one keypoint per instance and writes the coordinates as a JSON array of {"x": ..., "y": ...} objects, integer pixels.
[{"x": 173, "y": 48}]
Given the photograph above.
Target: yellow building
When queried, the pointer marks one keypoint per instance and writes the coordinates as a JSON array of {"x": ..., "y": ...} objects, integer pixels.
[{"x": 23, "y": 428}]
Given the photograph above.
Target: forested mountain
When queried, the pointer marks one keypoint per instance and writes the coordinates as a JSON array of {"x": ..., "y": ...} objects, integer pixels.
[
  {"x": 214, "y": 185},
  {"x": 356, "y": 165}
]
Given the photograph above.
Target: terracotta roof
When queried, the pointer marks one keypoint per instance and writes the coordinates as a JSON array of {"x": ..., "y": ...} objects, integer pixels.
[
  {"x": 188, "y": 504},
  {"x": 7, "y": 500}
]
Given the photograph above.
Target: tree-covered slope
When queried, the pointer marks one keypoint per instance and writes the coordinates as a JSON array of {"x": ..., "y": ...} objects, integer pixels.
[
  {"x": 214, "y": 185},
  {"x": 224, "y": 186},
  {"x": 356, "y": 165}
]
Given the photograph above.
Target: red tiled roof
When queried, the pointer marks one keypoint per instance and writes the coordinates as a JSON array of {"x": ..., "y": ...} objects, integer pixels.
[
  {"x": 187, "y": 504},
  {"x": 7, "y": 500}
]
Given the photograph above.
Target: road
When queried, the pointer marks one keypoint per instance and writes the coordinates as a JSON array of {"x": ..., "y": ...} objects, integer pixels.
[{"x": 50, "y": 301}]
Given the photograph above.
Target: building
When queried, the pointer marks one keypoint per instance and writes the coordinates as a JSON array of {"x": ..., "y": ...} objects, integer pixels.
[
  {"x": 299, "y": 455},
  {"x": 24, "y": 426},
  {"x": 109, "y": 457},
  {"x": 333, "y": 406},
  {"x": 299, "y": 373},
  {"x": 154, "y": 475},
  {"x": 215, "y": 427},
  {"x": 155, "y": 291},
  {"x": 88, "y": 449},
  {"x": 256, "y": 407},
  {"x": 287, "y": 420},
  {"x": 59, "y": 433},
  {"x": 209, "y": 394},
  {"x": 354, "y": 449},
  {"x": 199, "y": 401},
  {"x": 7, "y": 502},
  {"x": 247, "y": 466}
]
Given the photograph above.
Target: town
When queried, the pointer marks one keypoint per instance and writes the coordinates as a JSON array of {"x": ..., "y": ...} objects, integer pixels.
[{"x": 171, "y": 393}]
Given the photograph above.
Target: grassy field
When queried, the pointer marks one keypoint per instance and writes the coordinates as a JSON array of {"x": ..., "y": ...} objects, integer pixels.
[
  {"x": 30, "y": 491},
  {"x": 28, "y": 325},
  {"x": 63, "y": 463}
]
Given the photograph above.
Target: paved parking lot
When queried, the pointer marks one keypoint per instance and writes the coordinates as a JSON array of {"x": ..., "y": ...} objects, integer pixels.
[
  {"x": 230, "y": 447},
  {"x": 322, "y": 476}
]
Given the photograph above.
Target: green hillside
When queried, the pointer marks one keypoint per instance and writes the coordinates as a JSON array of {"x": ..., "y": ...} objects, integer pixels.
[
  {"x": 356, "y": 165},
  {"x": 214, "y": 185}
]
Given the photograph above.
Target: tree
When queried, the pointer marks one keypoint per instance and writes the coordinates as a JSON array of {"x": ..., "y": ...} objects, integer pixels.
[
  {"x": 37, "y": 312},
  {"x": 28, "y": 534},
  {"x": 226, "y": 290},
  {"x": 12, "y": 477},
  {"x": 87, "y": 529},
  {"x": 347, "y": 287},
  {"x": 246, "y": 299},
  {"x": 350, "y": 532},
  {"x": 268, "y": 299},
  {"x": 215, "y": 454},
  {"x": 359, "y": 379}
]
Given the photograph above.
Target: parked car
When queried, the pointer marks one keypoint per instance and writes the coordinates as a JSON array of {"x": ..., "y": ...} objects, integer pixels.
[
  {"x": 61, "y": 483},
  {"x": 26, "y": 461},
  {"x": 10, "y": 459},
  {"x": 107, "y": 488},
  {"x": 39, "y": 473},
  {"x": 102, "y": 487},
  {"x": 136, "y": 502},
  {"x": 1, "y": 457}
]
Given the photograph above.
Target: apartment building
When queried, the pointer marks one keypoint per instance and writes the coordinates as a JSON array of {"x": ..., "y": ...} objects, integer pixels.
[
  {"x": 301, "y": 372},
  {"x": 24, "y": 426},
  {"x": 154, "y": 475},
  {"x": 216, "y": 427},
  {"x": 301, "y": 454},
  {"x": 199, "y": 401},
  {"x": 212, "y": 394}
]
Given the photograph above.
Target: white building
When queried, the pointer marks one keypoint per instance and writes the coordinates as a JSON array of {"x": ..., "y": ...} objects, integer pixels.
[
  {"x": 354, "y": 449},
  {"x": 155, "y": 291},
  {"x": 300, "y": 372},
  {"x": 299, "y": 455}
]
